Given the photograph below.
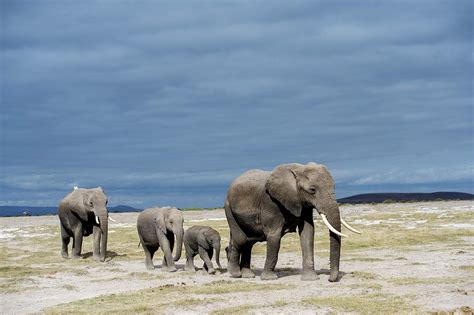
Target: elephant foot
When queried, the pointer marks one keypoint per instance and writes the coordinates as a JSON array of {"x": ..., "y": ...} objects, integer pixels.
[
  {"x": 149, "y": 266},
  {"x": 170, "y": 269},
  {"x": 234, "y": 272},
  {"x": 247, "y": 273},
  {"x": 189, "y": 268},
  {"x": 333, "y": 276},
  {"x": 97, "y": 258},
  {"x": 76, "y": 257},
  {"x": 211, "y": 271},
  {"x": 268, "y": 275},
  {"x": 309, "y": 276},
  {"x": 64, "y": 255}
]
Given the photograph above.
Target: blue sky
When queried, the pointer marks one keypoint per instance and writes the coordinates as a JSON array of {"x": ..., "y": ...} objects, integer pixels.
[{"x": 164, "y": 103}]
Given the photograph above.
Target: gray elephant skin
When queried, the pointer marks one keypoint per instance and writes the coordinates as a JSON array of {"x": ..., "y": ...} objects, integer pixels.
[
  {"x": 265, "y": 205},
  {"x": 81, "y": 213},
  {"x": 202, "y": 240},
  {"x": 158, "y": 227}
]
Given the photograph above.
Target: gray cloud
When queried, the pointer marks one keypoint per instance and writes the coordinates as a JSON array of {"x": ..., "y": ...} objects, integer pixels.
[{"x": 168, "y": 102}]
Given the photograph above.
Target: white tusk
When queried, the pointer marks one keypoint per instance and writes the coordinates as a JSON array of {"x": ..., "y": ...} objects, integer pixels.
[
  {"x": 350, "y": 228},
  {"x": 75, "y": 187},
  {"x": 325, "y": 220},
  {"x": 97, "y": 220},
  {"x": 110, "y": 218}
]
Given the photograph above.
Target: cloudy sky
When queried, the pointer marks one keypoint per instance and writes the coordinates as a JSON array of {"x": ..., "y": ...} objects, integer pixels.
[{"x": 164, "y": 103}]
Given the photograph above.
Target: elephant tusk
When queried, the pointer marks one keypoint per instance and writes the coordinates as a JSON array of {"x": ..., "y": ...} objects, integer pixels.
[
  {"x": 325, "y": 220},
  {"x": 110, "y": 218},
  {"x": 350, "y": 228},
  {"x": 97, "y": 220}
]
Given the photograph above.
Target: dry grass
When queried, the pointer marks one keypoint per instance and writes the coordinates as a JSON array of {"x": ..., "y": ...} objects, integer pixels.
[
  {"x": 468, "y": 268},
  {"x": 368, "y": 304},
  {"x": 23, "y": 266},
  {"x": 415, "y": 281},
  {"x": 239, "y": 309},
  {"x": 158, "y": 298}
]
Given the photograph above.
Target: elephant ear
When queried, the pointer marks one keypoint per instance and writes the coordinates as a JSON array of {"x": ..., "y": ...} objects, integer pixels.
[
  {"x": 160, "y": 222},
  {"x": 282, "y": 186},
  {"x": 76, "y": 203},
  {"x": 203, "y": 241}
]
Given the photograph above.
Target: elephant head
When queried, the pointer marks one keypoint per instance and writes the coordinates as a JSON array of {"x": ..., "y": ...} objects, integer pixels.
[
  {"x": 96, "y": 202},
  {"x": 298, "y": 187},
  {"x": 171, "y": 220}
]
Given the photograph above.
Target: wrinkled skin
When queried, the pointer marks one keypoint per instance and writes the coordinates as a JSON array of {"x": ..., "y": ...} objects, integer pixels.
[
  {"x": 158, "y": 227},
  {"x": 264, "y": 206},
  {"x": 78, "y": 214},
  {"x": 202, "y": 240}
]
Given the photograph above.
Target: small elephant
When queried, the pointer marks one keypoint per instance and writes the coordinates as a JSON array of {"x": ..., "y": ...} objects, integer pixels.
[
  {"x": 157, "y": 227},
  {"x": 81, "y": 213},
  {"x": 202, "y": 240}
]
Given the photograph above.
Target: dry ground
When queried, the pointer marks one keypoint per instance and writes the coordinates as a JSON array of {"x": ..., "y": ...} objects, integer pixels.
[{"x": 411, "y": 257}]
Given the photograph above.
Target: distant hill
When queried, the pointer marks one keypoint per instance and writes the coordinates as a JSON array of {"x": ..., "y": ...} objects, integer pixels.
[
  {"x": 399, "y": 197},
  {"x": 10, "y": 211}
]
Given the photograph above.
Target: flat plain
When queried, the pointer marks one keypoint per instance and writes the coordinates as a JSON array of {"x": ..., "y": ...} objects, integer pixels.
[{"x": 411, "y": 257}]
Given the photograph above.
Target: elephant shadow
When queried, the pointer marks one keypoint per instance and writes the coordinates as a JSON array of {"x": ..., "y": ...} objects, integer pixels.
[
  {"x": 286, "y": 272},
  {"x": 179, "y": 267},
  {"x": 110, "y": 255}
]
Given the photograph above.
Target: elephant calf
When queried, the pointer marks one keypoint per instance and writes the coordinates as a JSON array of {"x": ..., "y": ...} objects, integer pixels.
[
  {"x": 202, "y": 240},
  {"x": 157, "y": 227}
]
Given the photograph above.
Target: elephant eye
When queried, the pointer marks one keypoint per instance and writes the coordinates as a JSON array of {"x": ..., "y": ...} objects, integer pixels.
[
  {"x": 90, "y": 203},
  {"x": 312, "y": 190}
]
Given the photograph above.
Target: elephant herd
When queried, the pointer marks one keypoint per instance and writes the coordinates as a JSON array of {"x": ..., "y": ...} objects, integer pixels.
[{"x": 260, "y": 206}]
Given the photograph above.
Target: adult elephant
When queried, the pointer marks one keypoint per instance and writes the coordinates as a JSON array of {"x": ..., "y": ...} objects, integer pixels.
[
  {"x": 81, "y": 213},
  {"x": 264, "y": 206},
  {"x": 158, "y": 227}
]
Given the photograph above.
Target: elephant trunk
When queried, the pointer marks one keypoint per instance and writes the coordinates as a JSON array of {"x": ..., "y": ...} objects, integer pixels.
[
  {"x": 334, "y": 219},
  {"x": 179, "y": 243},
  {"x": 217, "y": 248},
  {"x": 104, "y": 227}
]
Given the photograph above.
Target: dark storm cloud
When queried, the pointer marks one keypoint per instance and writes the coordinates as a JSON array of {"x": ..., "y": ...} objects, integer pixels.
[{"x": 167, "y": 102}]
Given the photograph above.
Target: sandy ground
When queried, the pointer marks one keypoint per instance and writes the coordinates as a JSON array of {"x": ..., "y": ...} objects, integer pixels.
[{"x": 434, "y": 276}]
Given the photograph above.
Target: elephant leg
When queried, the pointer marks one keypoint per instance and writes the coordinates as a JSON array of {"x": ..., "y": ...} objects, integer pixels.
[
  {"x": 149, "y": 252},
  {"x": 189, "y": 258},
  {"x": 233, "y": 265},
  {"x": 245, "y": 261},
  {"x": 168, "y": 263},
  {"x": 77, "y": 243},
  {"x": 210, "y": 253},
  {"x": 207, "y": 260},
  {"x": 273, "y": 247},
  {"x": 65, "y": 238},
  {"x": 306, "y": 231},
  {"x": 170, "y": 237}
]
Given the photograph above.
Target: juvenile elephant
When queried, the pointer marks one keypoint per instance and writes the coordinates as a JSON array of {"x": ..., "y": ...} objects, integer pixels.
[
  {"x": 81, "y": 213},
  {"x": 157, "y": 227},
  {"x": 202, "y": 240},
  {"x": 264, "y": 206}
]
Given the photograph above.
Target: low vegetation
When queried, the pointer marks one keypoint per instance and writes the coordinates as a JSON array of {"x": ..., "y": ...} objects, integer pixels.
[
  {"x": 159, "y": 298},
  {"x": 365, "y": 304},
  {"x": 31, "y": 263}
]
